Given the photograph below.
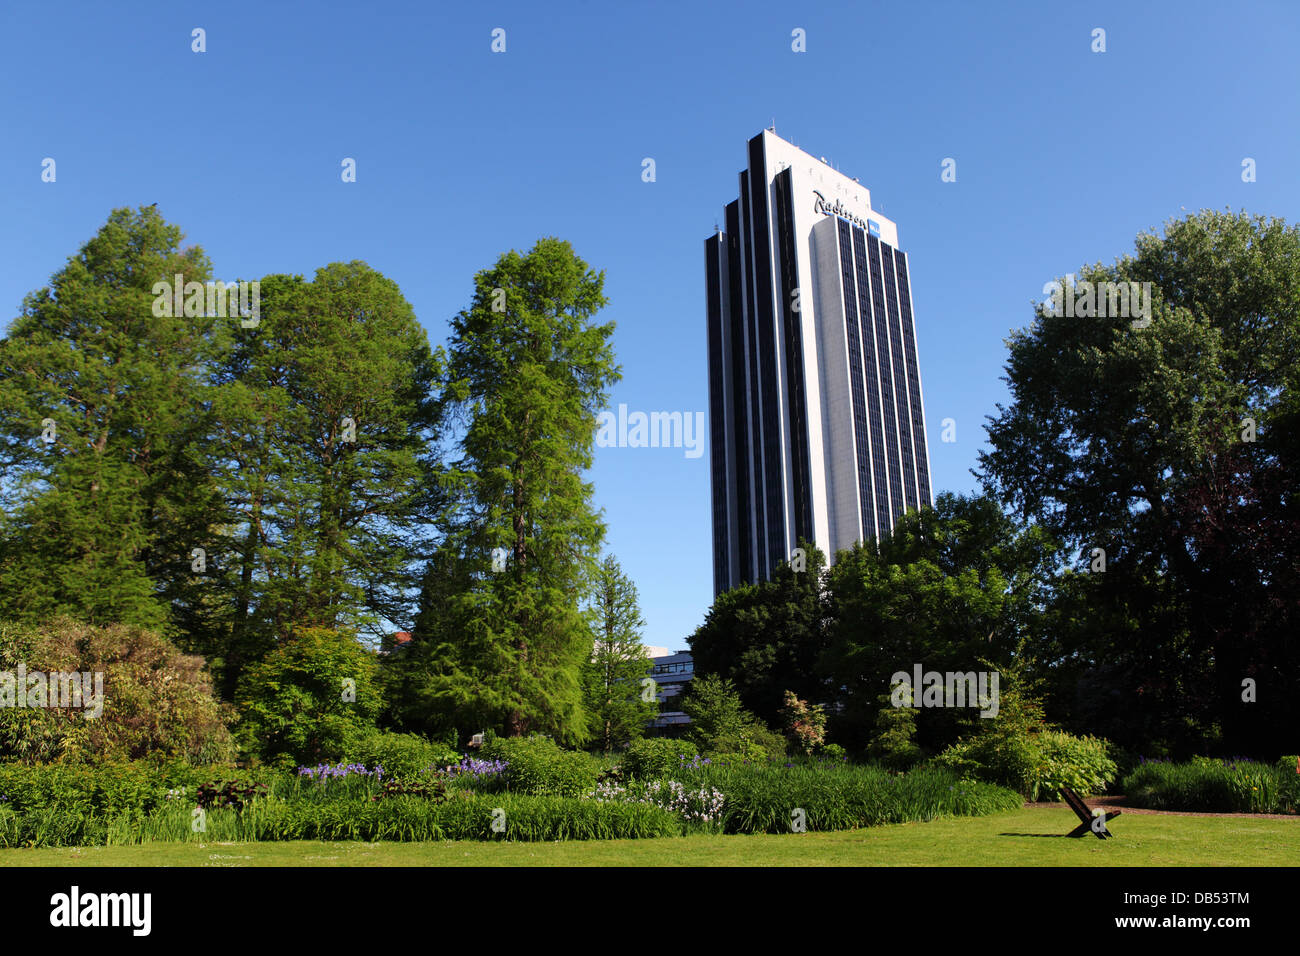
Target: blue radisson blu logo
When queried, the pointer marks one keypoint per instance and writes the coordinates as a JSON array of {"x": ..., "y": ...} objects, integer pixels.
[{"x": 873, "y": 227}]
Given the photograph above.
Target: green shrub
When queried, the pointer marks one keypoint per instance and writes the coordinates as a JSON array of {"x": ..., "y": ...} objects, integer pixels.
[
  {"x": 113, "y": 790},
  {"x": 1081, "y": 763},
  {"x": 1035, "y": 765},
  {"x": 292, "y": 711},
  {"x": 402, "y": 755},
  {"x": 720, "y": 724},
  {"x": 1018, "y": 749},
  {"x": 537, "y": 765},
  {"x": 157, "y": 702},
  {"x": 833, "y": 752},
  {"x": 894, "y": 744},
  {"x": 1215, "y": 786},
  {"x": 428, "y": 787},
  {"x": 228, "y": 794},
  {"x": 653, "y": 757}
]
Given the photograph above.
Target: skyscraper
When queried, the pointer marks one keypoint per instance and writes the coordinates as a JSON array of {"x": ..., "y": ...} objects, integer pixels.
[{"x": 816, "y": 420}]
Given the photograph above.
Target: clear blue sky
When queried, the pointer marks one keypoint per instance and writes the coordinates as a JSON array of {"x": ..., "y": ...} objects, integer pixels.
[{"x": 1063, "y": 156}]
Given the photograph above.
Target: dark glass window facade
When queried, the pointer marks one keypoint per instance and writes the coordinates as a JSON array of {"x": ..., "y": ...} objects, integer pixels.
[
  {"x": 900, "y": 377},
  {"x": 913, "y": 379},
  {"x": 741, "y": 480},
  {"x": 884, "y": 361},
  {"x": 755, "y": 398},
  {"x": 876, "y": 469},
  {"x": 792, "y": 324},
  {"x": 769, "y": 371},
  {"x": 717, "y": 416},
  {"x": 853, "y": 336}
]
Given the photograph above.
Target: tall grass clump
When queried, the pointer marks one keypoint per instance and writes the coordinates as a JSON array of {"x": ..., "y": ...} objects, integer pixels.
[
  {"x": 1204, "y": 785},
  {"x": 763, "y": 798}
]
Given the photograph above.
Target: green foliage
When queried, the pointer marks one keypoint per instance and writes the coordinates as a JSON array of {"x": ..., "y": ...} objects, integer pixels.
[
  {"x": 1035, "y": 765},
  {"x": 402, "y": 754},
  {"x": 427, "y": 787},
  {"x": 528, "y": 372},
  {"x": 139, "y": 803},
  {"x": 1203, "y": 785},
  {"x": 833, "y": 752},
  {"x": 157, "y": 702},
  {"x": 292, "y": 703},
  {"x": 655, "y": 757},
  {"x": 951, "y": 584},
  {"x": 404, "y": 818},
  {"x": 611, "y": 679},
  {"x": 700, "y": 808},
  {"x": 762, "y": 798},
  {"x": 321, "y": 516},
  {"x": 1019, "y": 750},
  {"x": 201, "y": 479},
  {"x": 113, "y": 789},
  {"x": 805, "y": 725},
  {"x": 327, "y": 788},
  {"x": 101, "y": 517},
  {"x": 755, "y": 743},
  {"x": 721, "y": 725},
  {"x": 228, "y": 794},
  {"x": 894, "y": 743},
  {"x": 1196, "y": 520},
  {"x": 1083, "y": 764},
  {"x": 537, "y": 765},
  {"x": 766, "y": 638}
]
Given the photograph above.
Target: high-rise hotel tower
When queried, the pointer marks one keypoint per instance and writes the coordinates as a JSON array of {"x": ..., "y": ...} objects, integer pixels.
[{"x": 817, "y": 428}]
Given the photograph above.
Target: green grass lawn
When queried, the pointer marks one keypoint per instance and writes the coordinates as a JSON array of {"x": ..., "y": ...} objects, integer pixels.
[{"x": 1028, "y": 837}]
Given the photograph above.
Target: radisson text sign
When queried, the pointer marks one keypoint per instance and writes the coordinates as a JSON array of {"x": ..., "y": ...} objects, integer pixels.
[{"x": 837, "y": 209}]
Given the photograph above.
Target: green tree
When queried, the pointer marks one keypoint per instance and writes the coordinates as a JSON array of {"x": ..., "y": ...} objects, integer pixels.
[
  {"x": 894, "y": 741},
  {"x": 1136, "y": 441},
  {"x": 611, "y": 679},
  {"x": 406, "y": 672},
  {"x": 767, "y": 638},
  {"x": 528, "y": 373},
  {"x": 310, "y": 699},
  {"x": 951, "y": 585},
  {"x": 720, "y": 724},
  {"x": 325, "y": 436},
  {"x": 101, "y": 476}
]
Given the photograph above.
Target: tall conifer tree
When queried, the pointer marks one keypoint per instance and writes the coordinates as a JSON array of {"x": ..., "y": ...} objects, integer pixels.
[
  {"x": 529, "y": 372},
  {"x": 611, "y": 679}
]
